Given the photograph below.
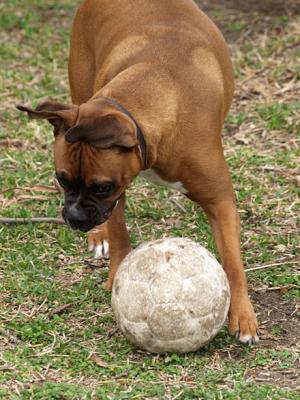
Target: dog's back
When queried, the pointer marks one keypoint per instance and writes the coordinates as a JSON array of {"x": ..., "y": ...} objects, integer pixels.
[{"x": 140, "y": 45}]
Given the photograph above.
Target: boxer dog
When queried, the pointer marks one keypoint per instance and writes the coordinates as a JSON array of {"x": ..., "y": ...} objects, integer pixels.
[{"x": 151, "y": 83}]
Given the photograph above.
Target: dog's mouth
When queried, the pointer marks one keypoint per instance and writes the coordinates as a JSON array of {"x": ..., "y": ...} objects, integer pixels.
[
  {"x": 103, "y": 218},
  {"x": 85, "y": 225}
]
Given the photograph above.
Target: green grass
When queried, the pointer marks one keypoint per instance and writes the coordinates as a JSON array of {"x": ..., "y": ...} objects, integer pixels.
[
  {"x": 279, "y": 116},
  {"x": 44, "y": 355}
]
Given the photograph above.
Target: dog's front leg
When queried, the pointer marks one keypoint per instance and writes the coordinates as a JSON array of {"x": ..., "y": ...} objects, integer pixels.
[
  {"x": 119, "y": 240},
  {"x": 225, "y": 224},
  {"x": 98, "y": 241},
  {"x": 215, "y": 194}
]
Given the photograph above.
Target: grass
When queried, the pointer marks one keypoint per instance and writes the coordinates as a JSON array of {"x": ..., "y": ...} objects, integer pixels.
[{"x": 48, "y": 352}]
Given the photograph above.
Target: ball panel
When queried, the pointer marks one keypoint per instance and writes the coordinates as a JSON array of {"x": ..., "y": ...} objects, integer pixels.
[
  {"x": 202, "y": 297},
  {"x": 165, "y": 287},
  {"x": 144, "y": 264},
  {"x": 138, "y": 333},
  {"x": 221, "y": 307},
  {"x": 169, "y": 321},
  {"x": 178, "y": 346},
  {"x": 136, "y": 304}
]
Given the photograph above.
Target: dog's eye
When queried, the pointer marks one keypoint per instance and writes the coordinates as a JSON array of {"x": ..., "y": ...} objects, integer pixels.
[
  {"x": 67, "y": 185},
  {"x": 62, "y": 182},
  {"x": 104, "y": 189}
]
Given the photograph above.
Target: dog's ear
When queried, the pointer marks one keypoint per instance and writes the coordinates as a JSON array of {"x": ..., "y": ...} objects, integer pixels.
[
  {"x": 61, "y": 116},
  {"x": 112, "y": 129}
]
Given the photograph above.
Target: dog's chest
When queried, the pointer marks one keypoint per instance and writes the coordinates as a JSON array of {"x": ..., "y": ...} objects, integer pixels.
[{"x": 152, "y": 176}]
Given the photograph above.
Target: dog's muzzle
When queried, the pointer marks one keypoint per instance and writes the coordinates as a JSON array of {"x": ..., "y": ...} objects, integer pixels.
[{"x": 85, "y": 219}]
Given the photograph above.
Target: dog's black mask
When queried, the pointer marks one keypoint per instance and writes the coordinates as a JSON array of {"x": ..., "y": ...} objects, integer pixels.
[{"x": 86, "y": 206}]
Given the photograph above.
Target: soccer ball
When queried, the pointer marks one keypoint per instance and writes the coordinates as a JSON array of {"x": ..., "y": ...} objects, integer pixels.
[{"x": 170, "y": 295}]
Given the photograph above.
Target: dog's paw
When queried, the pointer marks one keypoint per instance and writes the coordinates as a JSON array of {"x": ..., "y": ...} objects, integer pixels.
[
  {"x": 108, "y": 285},
  {"x": 98, "y": 242},
  {"x": 101, "y": 250},
  {"x": 243, "y": 323}
]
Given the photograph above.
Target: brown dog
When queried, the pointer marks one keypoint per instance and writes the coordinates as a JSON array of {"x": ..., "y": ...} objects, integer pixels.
[{"x": 151, "y": 83}]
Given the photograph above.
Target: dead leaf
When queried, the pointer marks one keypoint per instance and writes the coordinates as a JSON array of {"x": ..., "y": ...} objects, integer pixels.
[
  {"x": 173, "y": 222},
  {"x": 59, "y": 310},
  {"x": 281, "y": 248},
  {"x": 99, "y": 361},
  {"x": 112, "y": 332},
  {"x": 284, "y": 289}
]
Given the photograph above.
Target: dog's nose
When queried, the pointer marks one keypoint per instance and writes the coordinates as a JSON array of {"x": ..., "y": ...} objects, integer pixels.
[
  {"x": 76, "y": 216},
  {"x": 76, "y": 212}
]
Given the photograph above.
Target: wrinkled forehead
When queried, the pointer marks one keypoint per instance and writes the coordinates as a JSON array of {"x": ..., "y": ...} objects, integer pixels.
[
  {"x": 80, "y": 161},
  {"x": 67, "y": 158}
]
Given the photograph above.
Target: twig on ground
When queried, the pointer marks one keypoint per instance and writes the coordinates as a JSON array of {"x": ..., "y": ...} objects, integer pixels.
[
  {"x": 11, "y": 189},
  {"x": 180, "y": 206},
  {"x": 38, "y": 220},
  {"x": 91, "y": 265},
  {"x": 272, "y": 288},
  {"x": 271, "y": 265},
  {"x": 35, "y": 188},
  {"x": 139, "y": 231},
  {"x": 7, "y": 367},
  {"x": 11, "y": 142}
]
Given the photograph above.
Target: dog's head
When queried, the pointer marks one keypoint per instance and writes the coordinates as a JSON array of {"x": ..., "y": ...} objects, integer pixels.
[{"x": 96, "y": 156}]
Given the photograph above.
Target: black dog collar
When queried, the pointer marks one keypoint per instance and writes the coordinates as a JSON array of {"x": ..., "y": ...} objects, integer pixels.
[{"x": 140, "y": 135}]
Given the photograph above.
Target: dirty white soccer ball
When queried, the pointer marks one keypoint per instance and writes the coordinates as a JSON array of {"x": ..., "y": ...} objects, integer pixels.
[{"x": 170, "y": 295}]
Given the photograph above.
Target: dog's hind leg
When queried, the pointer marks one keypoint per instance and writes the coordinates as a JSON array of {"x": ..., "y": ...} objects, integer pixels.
[{"x": 81, "y": 62}]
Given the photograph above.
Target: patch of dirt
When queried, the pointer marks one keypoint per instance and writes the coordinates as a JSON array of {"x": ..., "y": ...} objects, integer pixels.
[
  {"x": 279, "y": 327},
  {"x": 255, "y": 16},
  {"x": 268, "y": 7},
  {"x": 278, "y": 318},
  {"x": 275, "y": 359},
  {"x": 59, "y": 18},
  {"x": 284, "y": 378}
]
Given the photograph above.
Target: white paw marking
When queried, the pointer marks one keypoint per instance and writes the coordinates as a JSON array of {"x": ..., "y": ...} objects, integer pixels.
[
  {"x": 248, "y": 339},
  {"x": 98, "y": 251},
  {"x": 91, "y": 247},
  {"x": 152, "y": 176},
  {"x": 105, "y": 249},
  {"x": 256, "y": 339},
  {"x": 101, "y": 250}
]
